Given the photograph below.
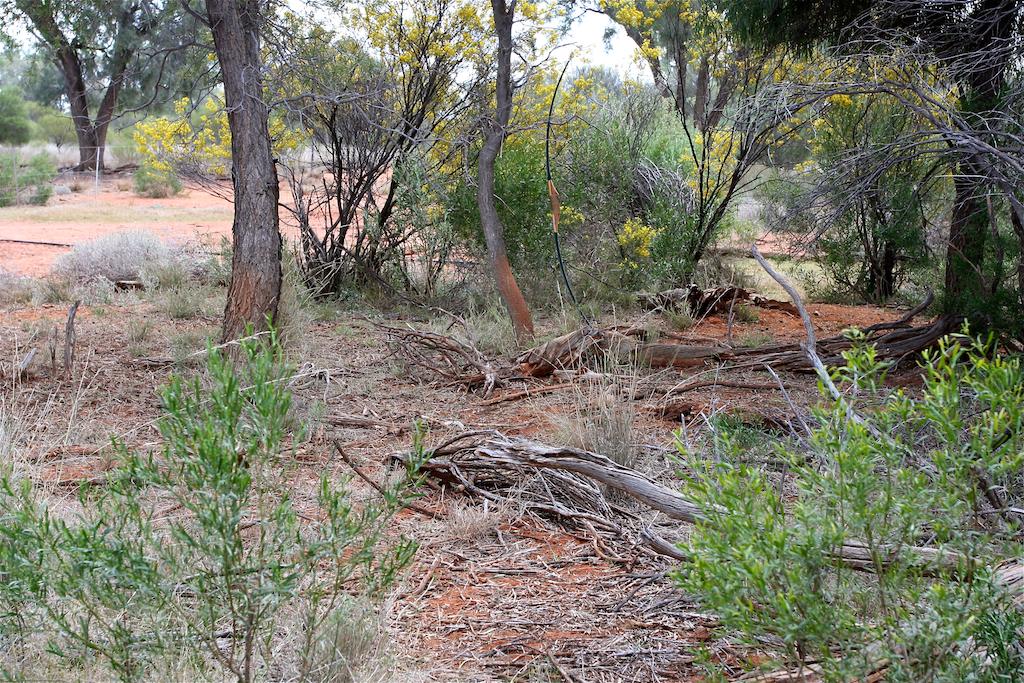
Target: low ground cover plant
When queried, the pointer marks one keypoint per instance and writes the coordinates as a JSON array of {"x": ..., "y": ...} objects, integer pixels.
[{"x": 200, "y": 550}]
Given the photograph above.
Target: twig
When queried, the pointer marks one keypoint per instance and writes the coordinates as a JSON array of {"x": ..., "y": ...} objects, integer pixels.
[
  {"x": 810, "y": 346},
  {"x": 69, "y": 339},
  {"x": 377, "y": 487},
  {"x": 526, "y": 393},
  {"x": 785, "y": 395}
]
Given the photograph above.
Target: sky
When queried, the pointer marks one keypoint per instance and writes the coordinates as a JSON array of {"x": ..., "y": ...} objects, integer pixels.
[{"x": 587, "y": 36}]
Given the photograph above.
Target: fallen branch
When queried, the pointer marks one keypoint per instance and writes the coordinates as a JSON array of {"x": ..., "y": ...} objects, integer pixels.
[
  {"x": 699, "y": 302},
  {"x": 458, "y": 363},
  {"x": 527, "y": 393},
  {"x": 377, "y": 487},
  {"x": 492, "y": 456}
]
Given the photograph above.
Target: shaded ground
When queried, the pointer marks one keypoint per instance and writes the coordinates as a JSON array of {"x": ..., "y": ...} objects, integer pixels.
[{"x": 491, "y": 595}]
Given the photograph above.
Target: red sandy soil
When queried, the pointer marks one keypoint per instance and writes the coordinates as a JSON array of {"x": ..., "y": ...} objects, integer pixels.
[{"x": 71, "y": 219}]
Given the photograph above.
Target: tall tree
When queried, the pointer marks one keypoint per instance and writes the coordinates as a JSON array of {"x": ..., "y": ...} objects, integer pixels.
[
  {"x": 976, "y": 43},
  {"x": 495, "y": 130},
  {"x": 255, "y": 289},
  {"x": 97, "y": 48}
]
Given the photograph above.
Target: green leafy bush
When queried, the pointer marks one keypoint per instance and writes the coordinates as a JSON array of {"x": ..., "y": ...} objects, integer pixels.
[
  {"x": 155, "y": 183},
  {"x": 25, "y": 183},
  {"x": 15, "y": 125},
  {"x": 523, "y": 206},
  {"x": 123, "y": 583},
  {"x": 56, "y": 129},
  {"x": 939, "y": 471}
]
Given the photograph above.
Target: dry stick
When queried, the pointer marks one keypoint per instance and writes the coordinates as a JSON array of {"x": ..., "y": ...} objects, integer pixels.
[
  {"x": 526, "y": 393},
  {"x": 728, "y": 384},
  {"x": 53, "y": 352},
  {"x": 905, "y": 319},
  {"x": 69, "y": 339},
  {"x": 728, "y": 328},
  {"x": 810, "y": 347},
  {"x": 785, "y": 395},
  {"x": 362, "y": 475},
  {"x": 25, "y": 362}
]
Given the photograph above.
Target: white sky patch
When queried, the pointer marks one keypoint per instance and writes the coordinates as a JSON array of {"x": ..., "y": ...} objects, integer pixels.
[{"x": 587, "y": 37}]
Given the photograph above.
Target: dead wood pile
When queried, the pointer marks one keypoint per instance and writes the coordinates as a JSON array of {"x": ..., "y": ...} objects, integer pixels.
[
  {"x": 569, "y": 484},
  {"x": 699, "y": 302}
]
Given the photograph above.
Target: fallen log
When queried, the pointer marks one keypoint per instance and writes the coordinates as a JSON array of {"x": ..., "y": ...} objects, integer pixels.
[
  {"x": 490, "y": 453},
  {"x": 700, "y": 303},
  {"x": 585, "y": 346}
]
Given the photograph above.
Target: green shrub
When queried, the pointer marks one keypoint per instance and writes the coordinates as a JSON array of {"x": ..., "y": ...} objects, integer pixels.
[
  {"x": 522, "y": 201},
  {"x": 218, "y": 581},
  {"x": 910, "y": 472},
  {"x": 28, "y": 183},
  {"x": 15, "y": 125},
  {"x": 156, "y": 183},
  {"x": 51, "y": 125}
]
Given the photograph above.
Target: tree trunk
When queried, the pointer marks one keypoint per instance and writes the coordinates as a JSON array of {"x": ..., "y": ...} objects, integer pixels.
[
  {"x": 969, "y": 224},
  {"x": 702, "y": 90},
  {"x": 965, "y": 251},
  {"x": 74, "y": 87},
  {"x": 494, "y": 232},
  {"x": 255, "y": 288}
]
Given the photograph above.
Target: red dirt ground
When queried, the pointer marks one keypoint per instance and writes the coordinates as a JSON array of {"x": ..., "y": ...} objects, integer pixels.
[{"x": 80, "y": 216}]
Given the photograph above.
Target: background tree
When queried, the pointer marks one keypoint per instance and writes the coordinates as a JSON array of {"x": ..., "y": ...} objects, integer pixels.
[
  {"x": 15, "y": 126},
  {"x": 974, "y": 45},
  {"x": 99, "y": 48},
  {"x": 866, "y": 205},
  {"x": 380, "y": 105},
  {"x": 495, "y": 129},
  {"x": 724, "y": 95}
]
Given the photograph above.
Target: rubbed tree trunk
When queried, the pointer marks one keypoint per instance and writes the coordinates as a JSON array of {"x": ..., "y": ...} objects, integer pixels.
[
  {"x": 255, "y": 288},
  {"x": 494, "y": 232}
]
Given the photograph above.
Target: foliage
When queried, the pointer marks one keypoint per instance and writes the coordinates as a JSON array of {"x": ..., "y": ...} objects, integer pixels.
[
  {"x": 873, "y": 202},
  {"x": 216, "y": 581},
  {"x": 523, "y": 204},
  {"x": 25, "y": 184},
  {"x": 377, "y": 103},
  {"x": 15, "y": 126},
  {"x": 155, "y": 183},
  {"x": 196, "y": 142},
  {"x": 51, "y": 126},
  {"x": 914, "y": 471}
]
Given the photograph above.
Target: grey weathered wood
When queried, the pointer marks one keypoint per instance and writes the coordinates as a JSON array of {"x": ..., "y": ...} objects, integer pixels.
[{"x": 69, "y": 339}]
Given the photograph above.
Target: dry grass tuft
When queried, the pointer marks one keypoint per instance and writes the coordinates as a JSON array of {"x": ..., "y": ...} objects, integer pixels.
[
  {"x": 603, "y": 416},
  {"x": 469, "y": 523}
]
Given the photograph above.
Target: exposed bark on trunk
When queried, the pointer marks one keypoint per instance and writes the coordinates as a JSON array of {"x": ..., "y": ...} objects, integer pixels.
[
  {"x": 965, "y": 251},
  {"x": 1017, "y": 221},
  {"x": 494, "y": 232},
  {"x": 255, "y": 288}
]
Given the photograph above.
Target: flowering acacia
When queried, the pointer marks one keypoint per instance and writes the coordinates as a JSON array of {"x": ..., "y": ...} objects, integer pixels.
[{"x": 196, "y": 142}]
